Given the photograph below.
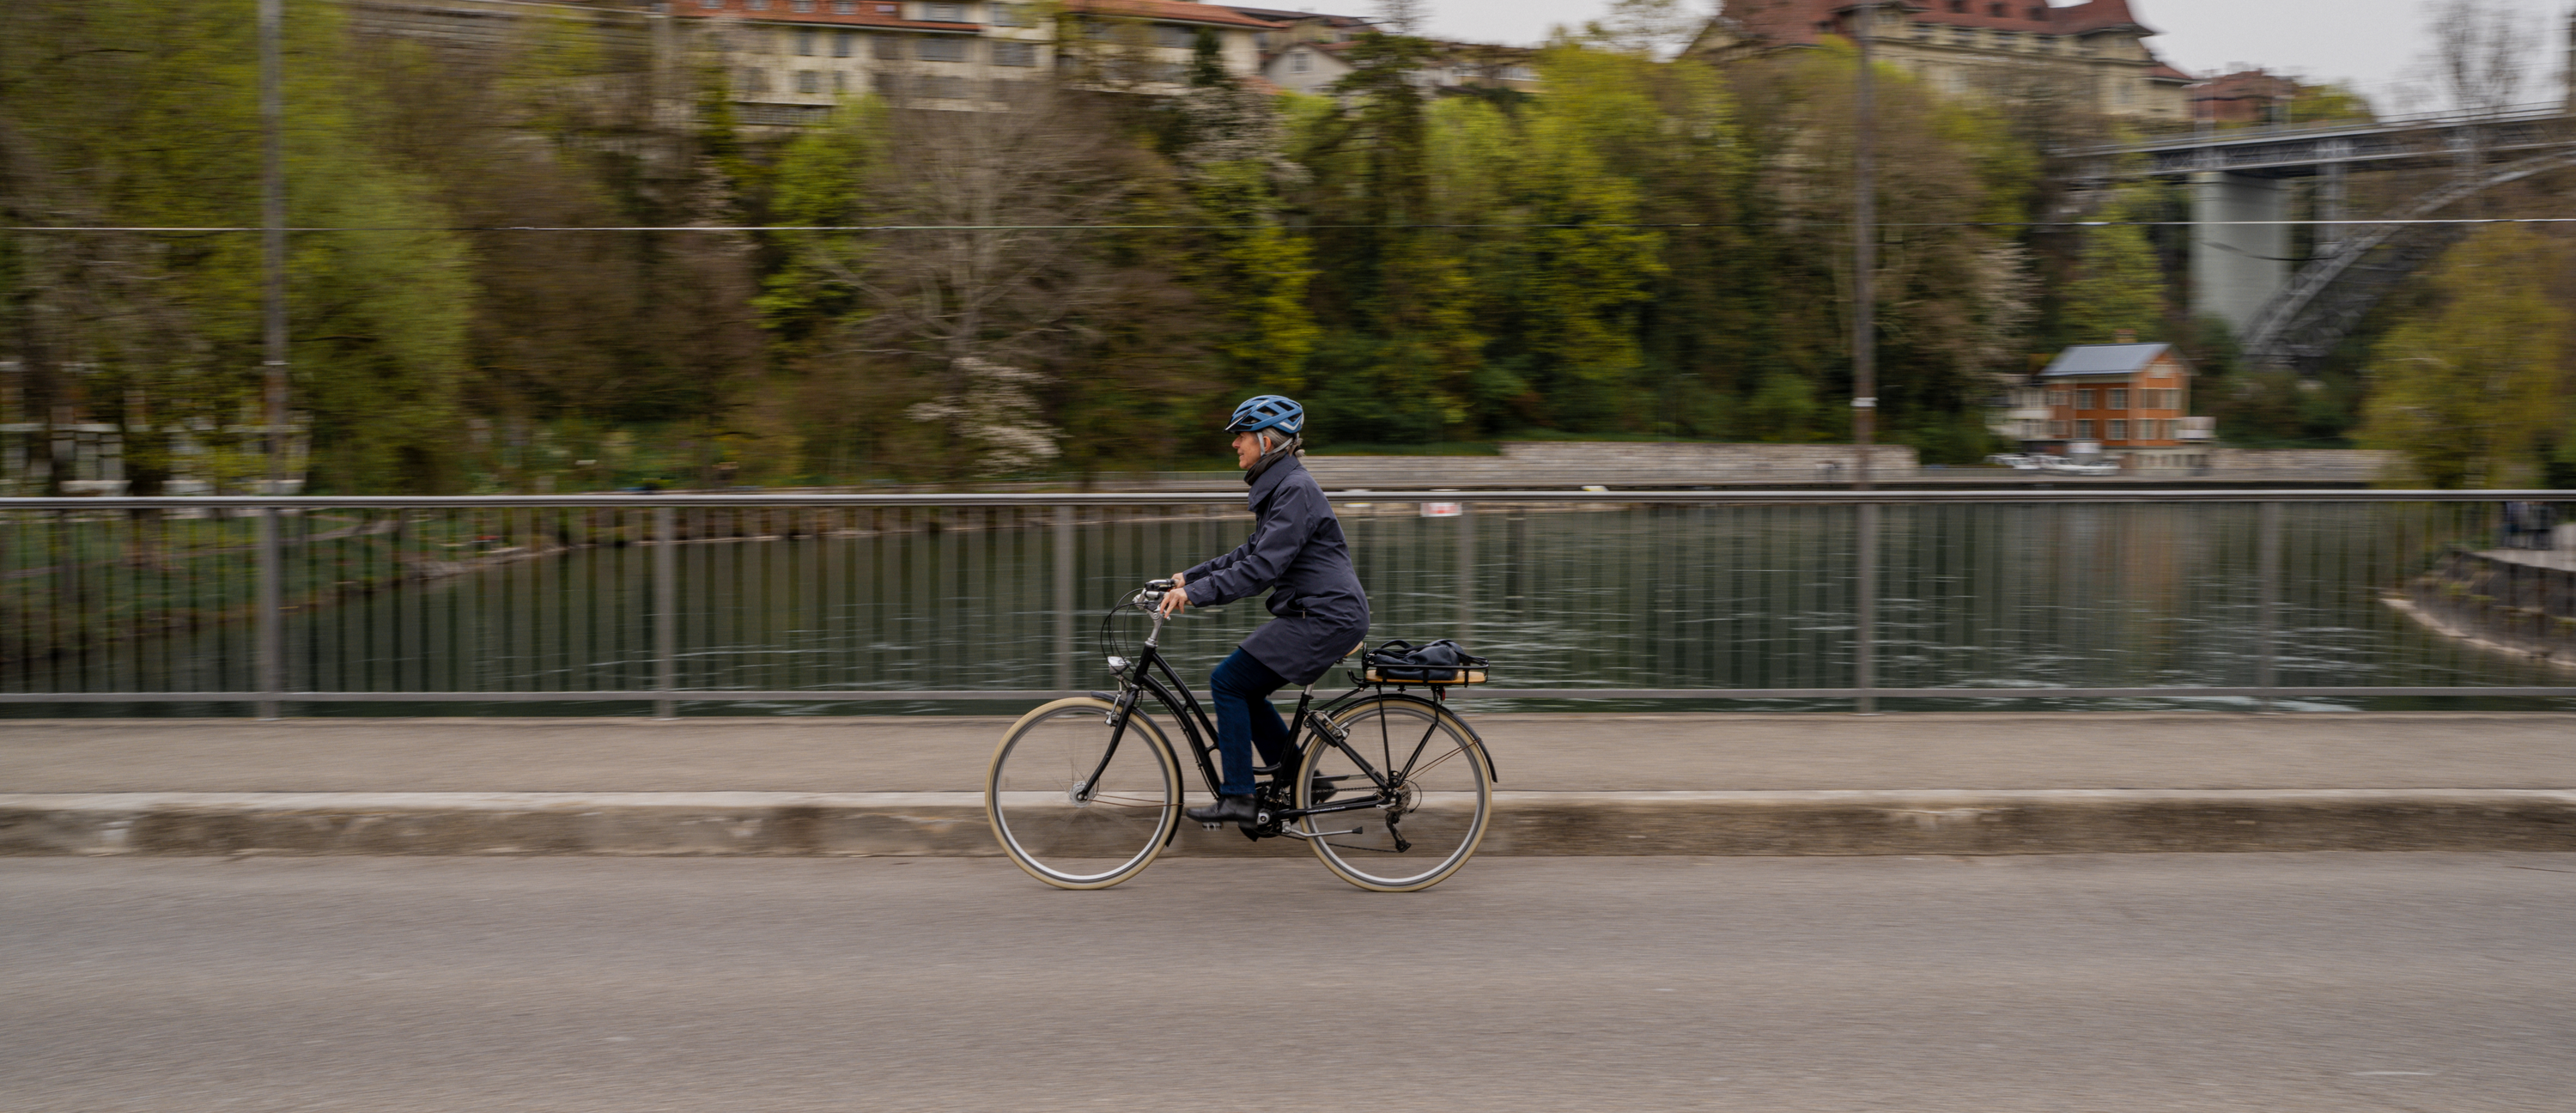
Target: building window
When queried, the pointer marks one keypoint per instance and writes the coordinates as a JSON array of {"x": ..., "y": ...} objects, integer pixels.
[
  {"x": 883, "y": 83},
  {"x": 940, "y": 87},
  {"x": 2119, "y": 430},
  {"x": 711, "y": 3},
  {"x": 1963, "y": 36},
  {"x": 2057, "y": 430},
  {"x": 1178, "y": 38},
  {"x": 1261, "y": 40},
  {"x": 802, "y": 5},
  {"x": 843, "y": 42},
  {"x": 805, "y": 44},
  {"x": 753, "y": 81},
  {"x": 1015, "y": 54},
  {"x": 944, "y": 13},
  {"x": 943, "y": 50},
  {"x": 886, "y": 47},
  {"x": 756, "y": 5},
  {"x": 1959, "y": 6},
  {"x": 1923, "y": 32},
  {"x": 1300, "y": 62},
  {"x": 845, "y": 7},
  {"x": 2119, "y": 399},
  {"x": 2083, "y": 430},
  {"x": 840, "y": 81},
  {"x": 2007, "y": 40},
  {"x": 809, "y": 81},
  {"x": 1009, "y": 15},
  {"x": 2083, "y": 399}
]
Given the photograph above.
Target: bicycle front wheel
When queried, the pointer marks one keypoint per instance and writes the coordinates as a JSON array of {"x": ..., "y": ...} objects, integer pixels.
[
  {"x": 1071, "y": 818},
  {"x": 1413, "y": 781}
]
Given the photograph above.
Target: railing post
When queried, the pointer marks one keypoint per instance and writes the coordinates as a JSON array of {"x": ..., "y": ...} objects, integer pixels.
[
  {"x": 666, "y": 610},
  {"x": 1064, "y": 618},
  {"x": 2267, "y": 574},
  {"x": 1467, "y": 575},
  {"x": 1865, "y": 612},
  {"x": 271, "y": 649}
]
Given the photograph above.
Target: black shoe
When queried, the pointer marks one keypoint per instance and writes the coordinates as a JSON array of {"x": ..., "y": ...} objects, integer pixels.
[{"x": 1227, "y": 809}]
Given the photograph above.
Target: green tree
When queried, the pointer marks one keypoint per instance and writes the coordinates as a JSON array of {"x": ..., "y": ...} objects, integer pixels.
[
  {"x": 2472, "y": 390},
  {"x": 143, "y": 111},
  {"x": 2118, "y": 286}
]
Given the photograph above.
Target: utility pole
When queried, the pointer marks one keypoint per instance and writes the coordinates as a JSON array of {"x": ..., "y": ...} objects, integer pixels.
[
  {"x": 272, "y": 238},
  {"x": 1864, "y": 251},
  {"x": 1864, "y": 365}
]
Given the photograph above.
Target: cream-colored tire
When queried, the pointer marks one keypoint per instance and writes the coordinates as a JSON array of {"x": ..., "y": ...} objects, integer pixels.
[
  {"x": 1442, "y": 801},
  {"x": 1072, "y": 841}
]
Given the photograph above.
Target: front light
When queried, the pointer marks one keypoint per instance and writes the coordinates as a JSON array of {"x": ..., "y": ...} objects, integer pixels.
[{"x": 1117, "y": 664}]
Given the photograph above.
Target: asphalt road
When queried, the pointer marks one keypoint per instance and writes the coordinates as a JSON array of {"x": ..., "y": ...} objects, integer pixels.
[{"x": 2060, "y": 984}]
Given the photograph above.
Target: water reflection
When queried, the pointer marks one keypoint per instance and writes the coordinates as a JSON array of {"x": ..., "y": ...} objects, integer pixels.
[{"x": 2017, "y": 598}]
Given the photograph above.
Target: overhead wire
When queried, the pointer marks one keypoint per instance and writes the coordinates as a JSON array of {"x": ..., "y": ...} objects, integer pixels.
[{"x": 175, "y": 229}]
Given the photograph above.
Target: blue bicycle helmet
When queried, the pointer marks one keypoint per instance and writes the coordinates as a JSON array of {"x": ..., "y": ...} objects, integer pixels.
[{"x": 1268, "y": 411}]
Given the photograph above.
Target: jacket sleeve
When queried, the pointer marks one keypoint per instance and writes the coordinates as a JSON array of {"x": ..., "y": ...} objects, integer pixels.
[
  {"x": 1202, "y": 569},
  {"x": 1256, "y": 565}
]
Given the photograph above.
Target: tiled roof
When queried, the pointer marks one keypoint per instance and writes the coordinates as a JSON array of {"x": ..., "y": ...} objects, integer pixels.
[
  {"x": 1174, "y": 11},
  {"x": 1278, "y": 15},
  {"x": 1800, "y": 22},
  {"x": 2105, "y": 359}
]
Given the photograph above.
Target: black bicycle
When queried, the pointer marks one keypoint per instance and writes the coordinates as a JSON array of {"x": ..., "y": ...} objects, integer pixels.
[{"x": 1391, "y": 789}]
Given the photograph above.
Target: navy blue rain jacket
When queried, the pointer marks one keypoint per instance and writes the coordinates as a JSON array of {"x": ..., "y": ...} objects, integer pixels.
[{"x": 1297, "y": 552}]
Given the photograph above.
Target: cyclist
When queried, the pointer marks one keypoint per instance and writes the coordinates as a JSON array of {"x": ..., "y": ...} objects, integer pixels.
[{"x": 1297, "y": 553}]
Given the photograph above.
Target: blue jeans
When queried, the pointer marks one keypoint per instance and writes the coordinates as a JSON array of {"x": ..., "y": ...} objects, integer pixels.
[{"x": 1241, "y": 687}]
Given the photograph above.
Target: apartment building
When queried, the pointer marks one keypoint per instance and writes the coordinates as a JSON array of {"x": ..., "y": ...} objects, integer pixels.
[
  {"x": 788, "y": 62},
  {"x": 1310, "y": 52},
  {"x": 2093, "y": 55},
  {"x": 2123, "y": 401}
]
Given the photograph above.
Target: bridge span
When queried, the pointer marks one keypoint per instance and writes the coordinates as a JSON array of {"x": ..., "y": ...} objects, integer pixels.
[{"x": 2292, "y": 311}]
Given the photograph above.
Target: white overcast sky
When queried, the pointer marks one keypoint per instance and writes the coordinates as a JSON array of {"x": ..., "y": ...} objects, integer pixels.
[{"x": 2373, "y": 44}]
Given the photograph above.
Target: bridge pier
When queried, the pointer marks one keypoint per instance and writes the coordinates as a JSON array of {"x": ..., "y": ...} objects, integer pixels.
[{"x": 2236, "y": 268}]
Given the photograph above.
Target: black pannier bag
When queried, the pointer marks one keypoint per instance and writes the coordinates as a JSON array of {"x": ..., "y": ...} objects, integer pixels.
[{"x": 1440, "y": 662}]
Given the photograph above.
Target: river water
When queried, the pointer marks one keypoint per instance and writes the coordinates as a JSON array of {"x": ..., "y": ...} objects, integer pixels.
[{"x": 2020, "y": 599}]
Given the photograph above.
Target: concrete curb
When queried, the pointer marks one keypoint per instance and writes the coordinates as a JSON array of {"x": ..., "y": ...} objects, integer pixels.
[{"x": 951, "y": 824}]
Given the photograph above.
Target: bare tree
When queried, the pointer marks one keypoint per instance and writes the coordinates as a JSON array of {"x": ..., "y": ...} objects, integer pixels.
[
  {"x": 2477, "y": 61},
  {"x": 1652, "y": 27},
  {"x": 1404, "y": 17},
  {"x": 1000, "y": 283}
]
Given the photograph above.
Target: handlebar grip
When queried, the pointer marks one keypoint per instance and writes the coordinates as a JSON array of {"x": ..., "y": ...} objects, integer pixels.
[{"x": 1158, "y": 585}]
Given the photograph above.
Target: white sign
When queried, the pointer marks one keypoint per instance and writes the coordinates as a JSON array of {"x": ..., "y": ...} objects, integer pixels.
[{"x": 1443, "y": 509}]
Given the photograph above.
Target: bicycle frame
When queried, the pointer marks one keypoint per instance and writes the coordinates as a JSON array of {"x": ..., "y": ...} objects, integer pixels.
[{"x": 1138, "y": 680}]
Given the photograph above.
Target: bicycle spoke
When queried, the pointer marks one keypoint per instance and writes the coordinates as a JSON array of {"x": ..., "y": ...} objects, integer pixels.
[
  {"x": 1133, "y": 803},
  {"x": 1430, "y": 816}
]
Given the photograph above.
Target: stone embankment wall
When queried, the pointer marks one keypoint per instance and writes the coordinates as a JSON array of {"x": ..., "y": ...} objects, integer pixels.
[
  {"x": 1557, "y": 464},
  {"x": 2525, "y": 606},
  {"x": 2359, "y": 464}
]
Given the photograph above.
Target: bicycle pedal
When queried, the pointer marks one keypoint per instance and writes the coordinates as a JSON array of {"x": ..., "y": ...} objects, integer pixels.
[{"x": 1211, "y": 826}]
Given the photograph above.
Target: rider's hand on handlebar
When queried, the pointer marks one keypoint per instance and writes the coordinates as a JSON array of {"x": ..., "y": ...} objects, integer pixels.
[{"x": 1176, "y": 598}]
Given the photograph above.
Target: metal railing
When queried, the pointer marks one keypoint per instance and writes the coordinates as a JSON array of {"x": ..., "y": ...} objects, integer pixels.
[{"x": 2268, "y": 596}]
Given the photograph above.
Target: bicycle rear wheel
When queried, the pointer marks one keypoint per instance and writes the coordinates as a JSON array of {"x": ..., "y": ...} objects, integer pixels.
[
  {"x": 1076, "y": 841},
  {"x": 1425, "y": 819}
]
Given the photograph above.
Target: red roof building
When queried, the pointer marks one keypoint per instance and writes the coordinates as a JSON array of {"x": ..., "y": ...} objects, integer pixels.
[
  {"x": 2093, "y": 53},
  {"x": 791, "y": 61}
]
